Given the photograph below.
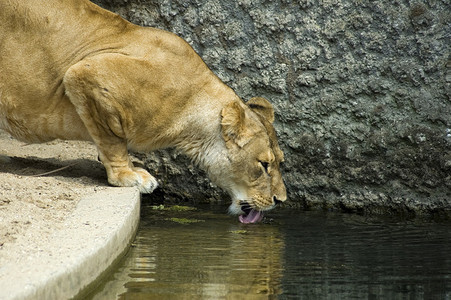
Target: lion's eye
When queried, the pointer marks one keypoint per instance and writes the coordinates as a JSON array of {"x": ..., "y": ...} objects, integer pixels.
[{"x": 265, "y": 166}]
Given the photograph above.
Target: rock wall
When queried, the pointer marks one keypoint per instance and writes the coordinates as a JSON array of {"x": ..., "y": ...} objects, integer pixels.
[{"x": 361, "y": 91}]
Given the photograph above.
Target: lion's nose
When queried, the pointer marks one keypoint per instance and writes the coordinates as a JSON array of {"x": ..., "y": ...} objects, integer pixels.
[{"x": 276, "y": 201}]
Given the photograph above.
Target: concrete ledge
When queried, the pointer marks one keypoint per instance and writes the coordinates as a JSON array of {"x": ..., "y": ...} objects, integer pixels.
[{"x": 100, "y": 229}]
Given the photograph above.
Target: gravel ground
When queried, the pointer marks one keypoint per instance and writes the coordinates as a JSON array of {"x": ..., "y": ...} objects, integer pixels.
[{"x": 34, "y": 204}]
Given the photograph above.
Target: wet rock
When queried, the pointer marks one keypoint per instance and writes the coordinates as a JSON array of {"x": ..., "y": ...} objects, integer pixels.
[{"x": 361, "y": 91}]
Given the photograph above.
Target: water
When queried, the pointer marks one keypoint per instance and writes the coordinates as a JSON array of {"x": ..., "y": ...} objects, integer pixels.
[{"x": 206, "y": 254}]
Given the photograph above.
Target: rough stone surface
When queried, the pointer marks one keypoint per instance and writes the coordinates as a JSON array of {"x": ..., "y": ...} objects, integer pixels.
[{"x": 361, "y": 91}]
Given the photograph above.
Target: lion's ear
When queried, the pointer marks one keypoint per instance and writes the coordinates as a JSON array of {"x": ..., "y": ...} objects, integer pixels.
[
  {"x": 233, "y": 124},
  {"x": 263, "y": 107}
]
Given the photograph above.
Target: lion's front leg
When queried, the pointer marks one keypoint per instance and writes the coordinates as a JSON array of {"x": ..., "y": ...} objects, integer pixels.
[
  {"x": 120, "y": 169},
  {"x": 104, "y": 117}
]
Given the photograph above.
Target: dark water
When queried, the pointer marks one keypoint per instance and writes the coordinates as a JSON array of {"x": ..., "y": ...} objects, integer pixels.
[{"x": 206, "y": 254}]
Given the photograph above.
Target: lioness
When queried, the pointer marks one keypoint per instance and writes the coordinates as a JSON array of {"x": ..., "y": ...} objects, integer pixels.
[{"x": 72, "y": 70}]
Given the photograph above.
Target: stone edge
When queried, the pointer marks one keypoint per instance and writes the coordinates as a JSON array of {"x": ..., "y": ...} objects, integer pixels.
[{"x": 98, "y": 232}]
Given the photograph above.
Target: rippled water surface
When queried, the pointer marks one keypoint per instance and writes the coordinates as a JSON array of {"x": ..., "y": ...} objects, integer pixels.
[{"x": 206, "y": 254}]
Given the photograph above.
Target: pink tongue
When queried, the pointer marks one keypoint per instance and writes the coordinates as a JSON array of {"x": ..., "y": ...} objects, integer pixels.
[{"x": 253, "y": 217}]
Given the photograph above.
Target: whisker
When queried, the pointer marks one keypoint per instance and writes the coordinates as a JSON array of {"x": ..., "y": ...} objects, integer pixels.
[{"x": 244, "y": 201}]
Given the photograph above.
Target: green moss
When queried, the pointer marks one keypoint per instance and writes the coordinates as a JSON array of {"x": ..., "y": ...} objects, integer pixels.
[
  {"x": 172, "y": 208},
  {"x": 238, "y": 231},
  {"x": 181, "y": 208},
  {"x": 184, "y": 221},
  {"x": 158, "y": 207}
]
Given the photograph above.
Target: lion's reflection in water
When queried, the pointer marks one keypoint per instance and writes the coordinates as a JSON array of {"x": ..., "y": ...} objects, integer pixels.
[
  {"x": 300, "y": 255},
  {"x": 212, "y": 257}
]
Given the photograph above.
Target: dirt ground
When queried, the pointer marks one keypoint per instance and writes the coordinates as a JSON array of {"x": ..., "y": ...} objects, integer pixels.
[{"x": 33, "y": 203}]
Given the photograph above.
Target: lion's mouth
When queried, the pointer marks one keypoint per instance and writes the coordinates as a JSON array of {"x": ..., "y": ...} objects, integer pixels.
[{"x": 250, "y": 215}]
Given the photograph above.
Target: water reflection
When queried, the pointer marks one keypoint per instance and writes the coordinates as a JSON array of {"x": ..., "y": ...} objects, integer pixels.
[
  {"x": 352, "y": 257},
  {"x": 213, "y": 258},
  {"x": 300, "y": 255}
]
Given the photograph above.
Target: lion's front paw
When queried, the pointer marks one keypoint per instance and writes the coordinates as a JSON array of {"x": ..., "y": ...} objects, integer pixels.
[
  {"x": 138, "y": 177},
  {"x": 149, "y": 183}
]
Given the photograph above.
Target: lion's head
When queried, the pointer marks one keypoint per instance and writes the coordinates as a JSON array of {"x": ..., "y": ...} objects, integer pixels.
[{"x": 254, "y": 182}]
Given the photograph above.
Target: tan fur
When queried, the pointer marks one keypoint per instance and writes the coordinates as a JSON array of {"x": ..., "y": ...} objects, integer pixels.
[{"x": 71, "y": 70}]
